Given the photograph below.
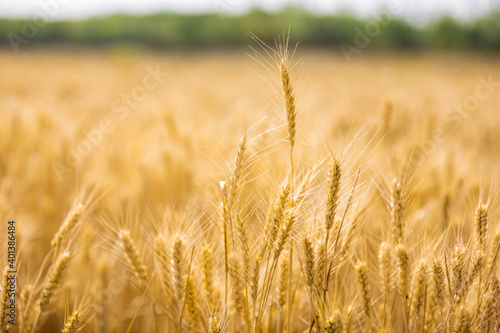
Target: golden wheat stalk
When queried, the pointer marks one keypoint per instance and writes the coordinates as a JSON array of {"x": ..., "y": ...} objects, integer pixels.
[
  {"x": 462, "y": 321},
  {"x": 178, "y": 268},
  {"x": 385, "y": 268},
  {"x": 72, "y": 325},
  {"x": 402, "y": 270},
  {"x": 481, "y": 226},
  {"x": 238, "y": 293},
  {"x": 277, "y": 215},
  {"x": 309, "y": 262},
  {"x": 245, "y": 250},
  {"x": 207, "y": 274},
  {"x": 69, "y": 223},
  {"x": 161, "y": 258},
  {"x": 238, "y": 167},
  {"x": 458, "y": 272},
  {"x": 289, "y": 98},
  {"x": 192, "y": 311},
  {"x": 436, "y": 297},
  {"x": 419, "y": 289},
  {"x": 133, "y": 257},
  {"x": 397, "y": 205},
  {"x": 213, "y": 325},
  {"x": 334, "y": 323},
  {"x": 364, "y": 288},
  {"x": 285, "y": 231},
  {"x": 54, "y": 279},
  {"x": 334, "y": 174}
]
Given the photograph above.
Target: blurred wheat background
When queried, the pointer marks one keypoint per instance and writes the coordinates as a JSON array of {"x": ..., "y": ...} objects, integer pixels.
[{"x": 251, "y": 190}]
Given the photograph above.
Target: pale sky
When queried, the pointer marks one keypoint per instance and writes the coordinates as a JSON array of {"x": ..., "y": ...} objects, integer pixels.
[{"x": 75, "y": 9}]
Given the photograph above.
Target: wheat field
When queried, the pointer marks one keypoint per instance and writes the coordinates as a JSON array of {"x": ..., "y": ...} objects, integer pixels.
[{"x": 250, "y": 191}]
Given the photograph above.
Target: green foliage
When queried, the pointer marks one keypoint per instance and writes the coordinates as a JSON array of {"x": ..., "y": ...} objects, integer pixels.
[{"x": 180, "y": 32}]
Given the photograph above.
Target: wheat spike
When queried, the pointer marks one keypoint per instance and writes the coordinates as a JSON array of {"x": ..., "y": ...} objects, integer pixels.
[
  {"x": 481, "y": 226},
  {"x": 192, "y": 312},
  {"x": 334, "y": 174},
  {"x": 241, "y": 224},
  {"x": 364, "y": 287},
  {"x": 277, "y": 215},
  {"x": 213, "y": 325},
  {"x": 320, "y": 266},
  {"x": 26, "y": 292},
  {"x": 436, "y": 293},
  {"x": 238, "y": 287},
  {"x": 458, "y": 270},
  {"x": 397, "y": 211},
  {"x": 462, "y": 321},
  {"x": 178, "y": 269},
  {"x": 73, "y": 323},
  {"x": 283, "y": 282},
  {"x": 309, "y": 261},
  {"x": 419, "y": 289},
  {"x": 133, "y": 257},
  {"x": 207, "y": 273},
  {"x": 493, "y": 254},
  {"x": 284, "y": 233},
  {"x": 53, "y": 280},
  {"x": 289, "y": 97},
  {"x": 334, "y": 323},
  {"x": 238, "y": 167},
  {"x": 402, "y": 270},
  {"x": 160, "y": 252},
  {"x": 477, "y": 264},
  {"x": 69, "y": 223},
  {"x": 254, "y": 279},
  {"x": 385, "y": 267}
]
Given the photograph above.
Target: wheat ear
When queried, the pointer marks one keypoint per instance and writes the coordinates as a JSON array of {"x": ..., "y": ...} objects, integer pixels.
[
  {"x": 178, "y": 269},
  {"x": 207, "y": 274},
  {"x": 334, "y": 174},
  {"x": 133, "y": 257},
  {"x": 385, "y": 268},
  {"x": 69, "y": 223},
  {"x": 481, "y": 226},
  {"x": 364, "y": 288},
  {"x": 213, "y": 325},
  {"x": 238, "y": 167},
  {"x": 191, "y": 304},
  {"x": 160, "y": 252},
  {"x": 72, "y": 325},
  {"x": 397, "y": 211},
  {"x": 54, "y": 280},
  {"x": 436, "y": 293},
  {"x": 289, "y": 97},
  {"x": 419, "y": 289}
]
